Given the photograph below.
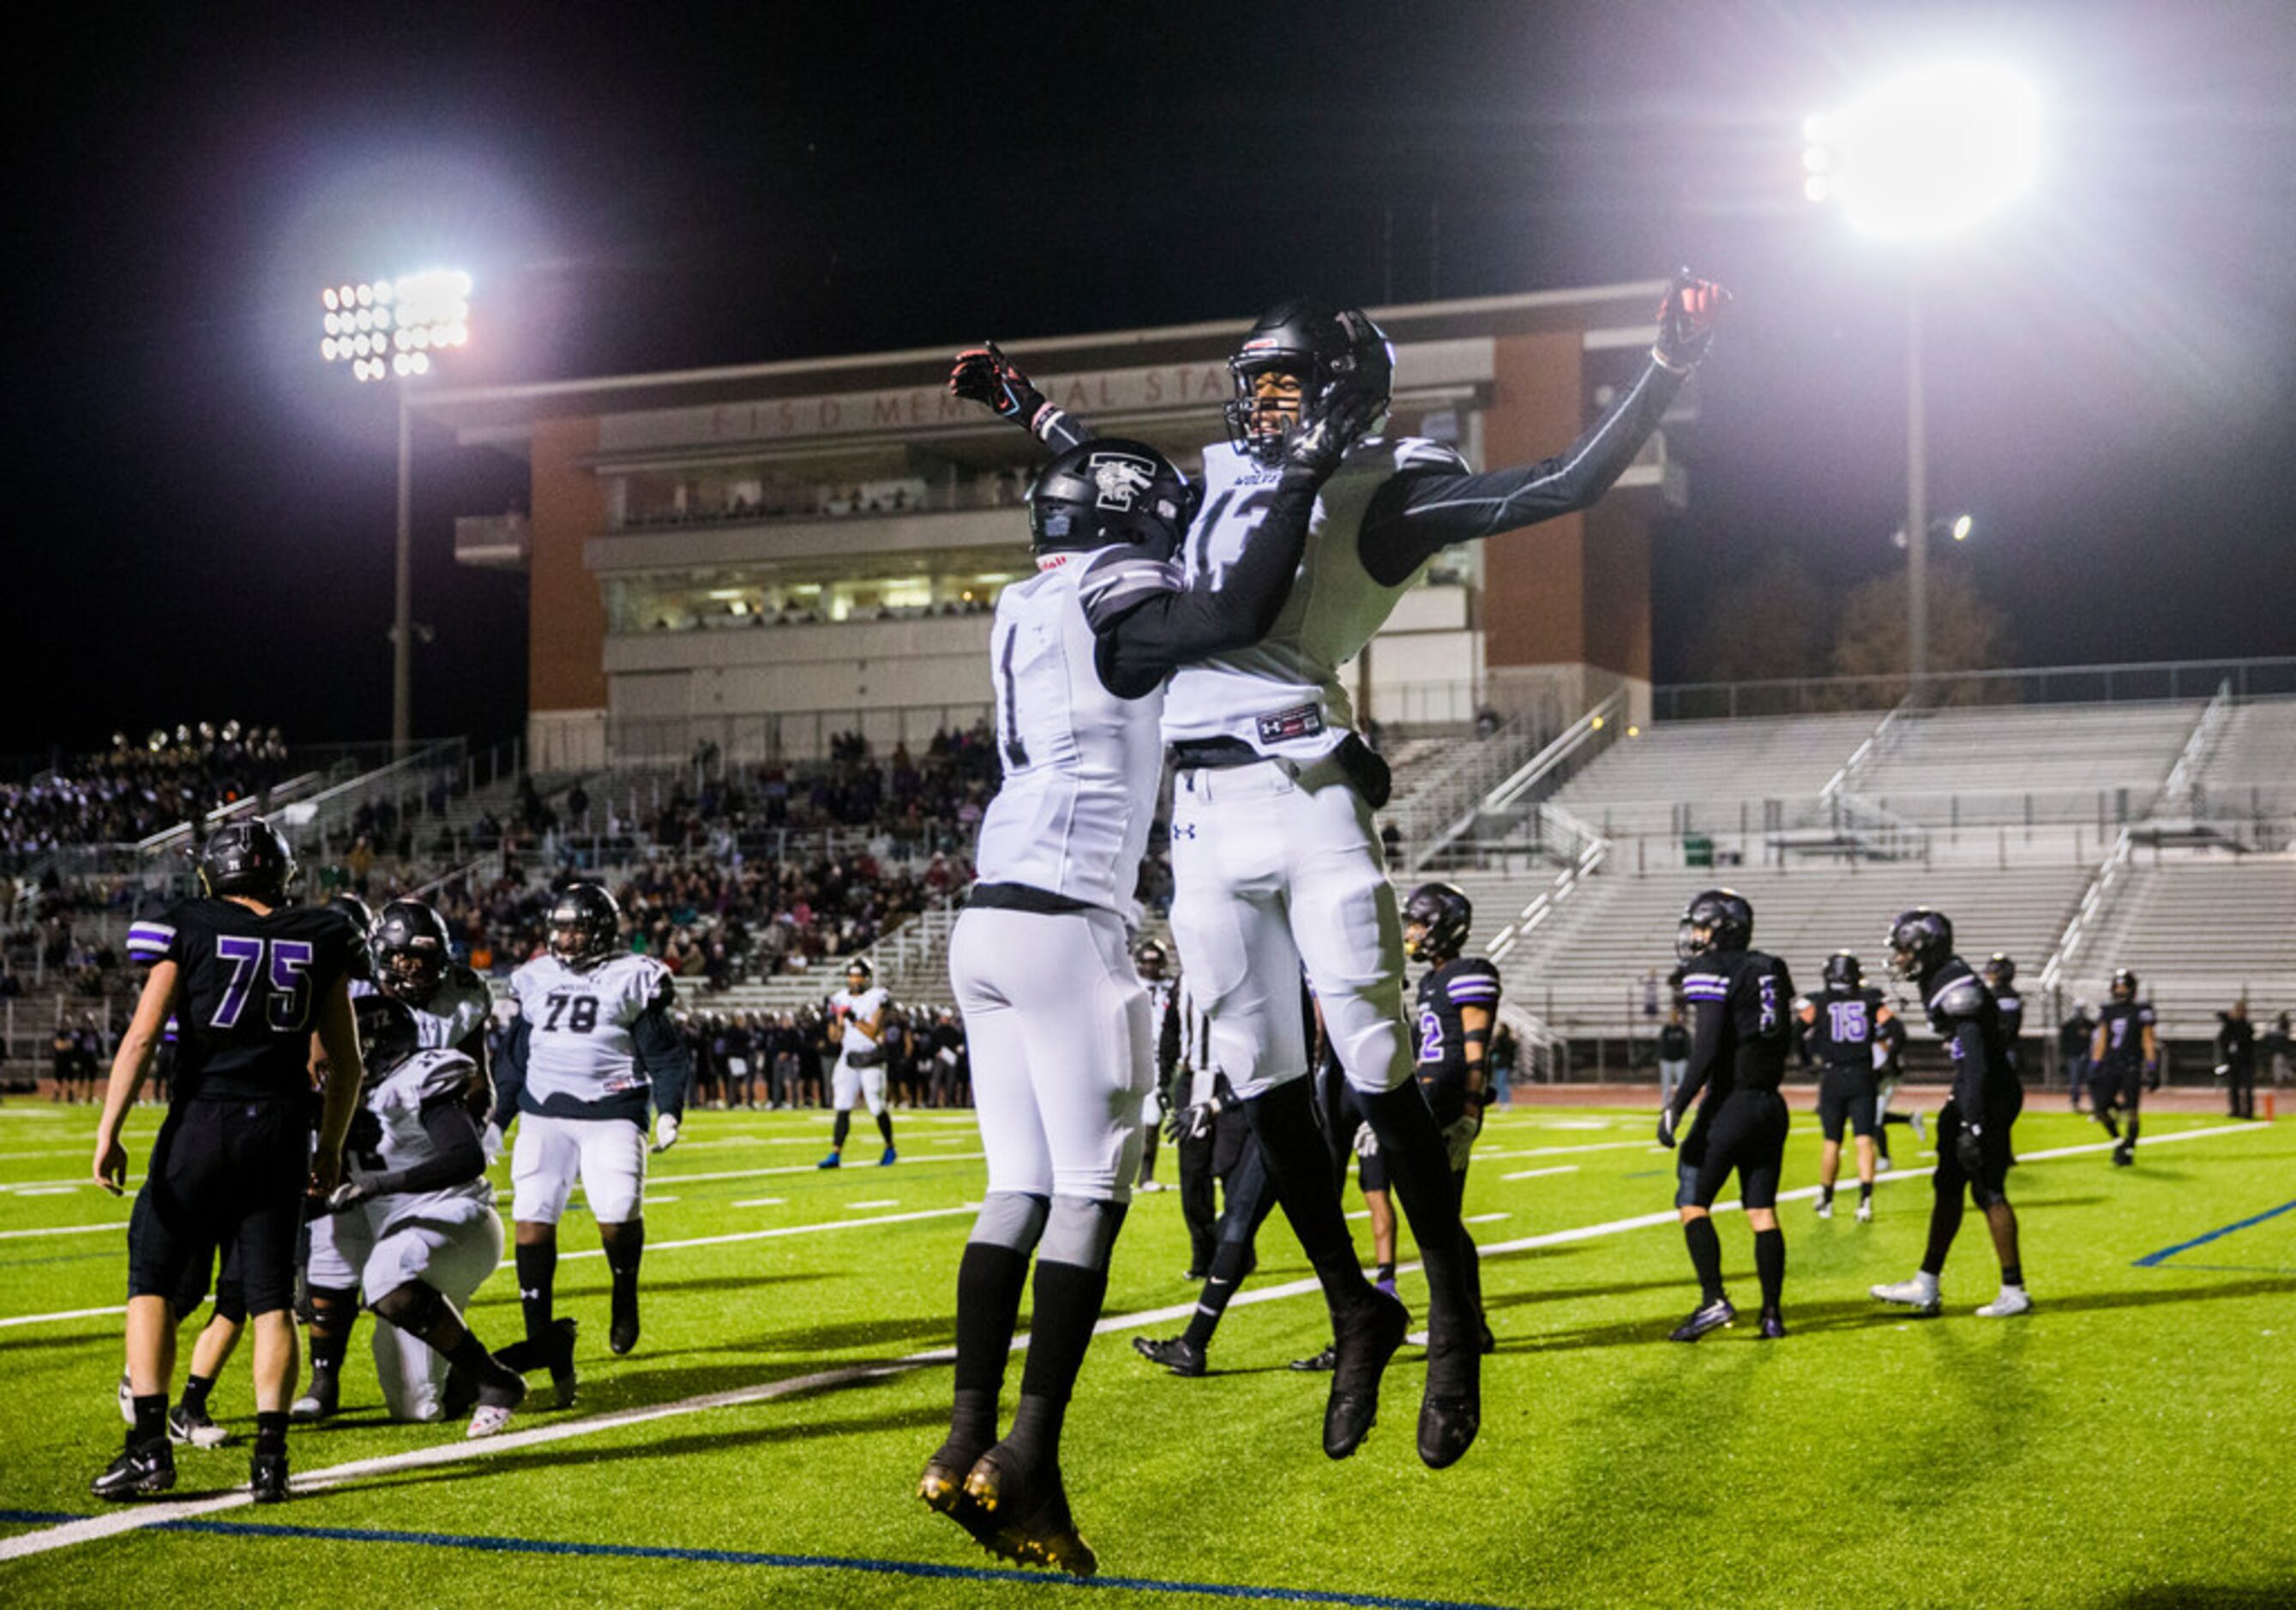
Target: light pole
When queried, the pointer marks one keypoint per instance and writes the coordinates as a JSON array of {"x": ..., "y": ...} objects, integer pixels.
[
  {"x": 1920, "y": 158},
  {"x": 388, "y": 330}
]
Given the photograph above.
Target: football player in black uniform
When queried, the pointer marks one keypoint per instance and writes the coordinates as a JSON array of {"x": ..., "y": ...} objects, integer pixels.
[
  {"x": 1841, "y": 1021},
  {"x": 1741, "y": 1000},
  {"x": 1458, "y": 1004},
  {"x": 2126, "y": 1058},
  {"x": 2001, "y": 978},
  {"x": 248, "y": 978},
  {"x": 1974, "y": 1145}
]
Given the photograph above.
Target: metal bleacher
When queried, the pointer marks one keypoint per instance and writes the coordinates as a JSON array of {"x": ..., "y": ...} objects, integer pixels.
[
  {"x": 2012, "y": 765},
  {"x": 2199, "y": 933},
  {"x": 1710, "y": 776},
  {"x": 2251, "y": 771}
]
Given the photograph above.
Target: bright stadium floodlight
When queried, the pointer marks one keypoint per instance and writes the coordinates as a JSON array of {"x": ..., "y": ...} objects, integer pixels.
[
  {"x": 385, "y": 329},
  {"x": 1926, "y": 154}
]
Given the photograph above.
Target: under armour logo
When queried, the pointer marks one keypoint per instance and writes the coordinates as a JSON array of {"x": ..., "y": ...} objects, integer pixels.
[{"x": 1183, "y": 830}]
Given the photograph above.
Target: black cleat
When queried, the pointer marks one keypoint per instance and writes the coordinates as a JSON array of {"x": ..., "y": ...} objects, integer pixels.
[
  {"x": 1179, "y": 1355},
  {"x": 1451, "y": 1412},
  {"x": 623, "y": 1334},
  {"x": 562, "y": 1381},
  {"x": 318, "y": 1400},
  {"x": 137, "y": 1473},
  {"x": 942, "y": 1489},
  {"x": 1323, "y": 1362},
  {"x": 1362, "y": 1343},
  {"x": 1774, "y": 1325},
  {"x": 266, "y": 1475},
  {"x": 1491, "y": 1342},
  {"x": 1706, "y": 1316},
  {"x": 2123, "y": 1156},
  {"x": 1026, "y": 1514}
]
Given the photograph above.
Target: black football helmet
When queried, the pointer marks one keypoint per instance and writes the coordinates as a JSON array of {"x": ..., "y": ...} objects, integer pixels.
[
  {"x": 361, "y": 914},
  {"x": 1322, "y": 349},
  {"x": 412, "y": 949},
  {"x": 1436, "y": 919},
  {"x": 2001, "y": 972},
  {"x": 1151, "y": 958},
  {"x": 1921, "y": 941},
  {"x": 388, "y": 1035},
  {"x": 1106, "y": 491},
  {"x": 1716, "y": 919},
  {"x": 1844, "y": 971},
  {"x": 586, "y": 925},
  {"x": 248, "y": 857},
  {"x": 2124, "y": 984}
]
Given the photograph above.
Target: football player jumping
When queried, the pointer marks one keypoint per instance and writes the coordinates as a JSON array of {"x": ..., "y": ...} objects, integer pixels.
[
  {"x": 1054, "y": 1005},
  {"x": 594, "y": 1042},
  {"x": 1274, "y": 857}
]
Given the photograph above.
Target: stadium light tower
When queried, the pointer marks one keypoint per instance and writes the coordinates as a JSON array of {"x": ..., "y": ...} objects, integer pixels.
[
  {"x": 1917, "y": 160},
  {"x": 393, "y": 330}
]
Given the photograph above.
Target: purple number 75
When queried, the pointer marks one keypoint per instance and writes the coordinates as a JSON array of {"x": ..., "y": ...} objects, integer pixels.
[
  {"x": 245, "y": 956},
  {"x": 290, "y": 978}
]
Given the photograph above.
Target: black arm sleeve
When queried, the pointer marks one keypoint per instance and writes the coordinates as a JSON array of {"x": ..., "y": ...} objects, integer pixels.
[
  {"x": 1415, "y": 514},
  {"x": 661, "y": 1052},
  {"x": 1705, "y": 1053},
  {"x": 1168, "y": 1042},
  {"x": 510, "y": 1072},
  {"x": 461, "y": 1157},
  {"x": 1060, "y": 430},
  {"x": 1969, "y": 1066},
  {"x": 1140, "y": 645}
]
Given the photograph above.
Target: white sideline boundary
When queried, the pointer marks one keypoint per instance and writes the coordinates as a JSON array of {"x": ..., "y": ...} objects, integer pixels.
[{"x": 137, "y": 1516}]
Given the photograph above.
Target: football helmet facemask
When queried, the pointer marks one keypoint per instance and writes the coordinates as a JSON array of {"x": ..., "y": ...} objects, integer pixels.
[
  {"x": 1151, "y": 959},
  {"x": 1321, "y": 350},
  {"x": 1716, "y": 919},
  {"x": 411, "y": 948},
  {"x": 1921, "y": 941},
  {"x": 586, "y": 925},
  {"x": 1436, "y": 919},
  {"x": 2124, "y": 984},
  {"x": 2001, "y": 972}
]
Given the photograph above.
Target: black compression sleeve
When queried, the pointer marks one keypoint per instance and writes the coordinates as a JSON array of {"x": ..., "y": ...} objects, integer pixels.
[
  {"x": 1139, "y": 648},
  {"x": 1705, "y": 1051},
  {"x": 662, "y": 1053},
  {"x": 460, "y": 1156},
  {"x": 1414, "y": 516},
  {"x": 1969, "y": 1066},
  {"x": 509, "y": 1071},
  {"x": 1060, "y": 430}
]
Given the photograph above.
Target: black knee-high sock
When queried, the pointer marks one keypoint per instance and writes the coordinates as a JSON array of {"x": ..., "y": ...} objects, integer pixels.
[
  {"x": 625, "y": 1246},
  {"x": 1419, "y": 1167},
  {"x": 989, "y": 1282},
  {"x": 1068, "y": 1306},
  {"x": 1705, "y": 1255},
  {"x": 1770, "y": 1264},
  {"x": 1147, "y": 1153},
  {"x": 1945, "y": 1224},
  {"x": 1300, "y": 1169},
  {"x": 2135, "y": 1124},
  {"x": 885, "y": 1125},
  {"x": 538, "y": 1272},
  {"x": 334, "y": 1315},
  {"x": 1229, "y": 1261},
  {"x": 843, "y": 1128},
  {"x": 2111, "y": 1127},
  {"x": 196, "y": 1389}
]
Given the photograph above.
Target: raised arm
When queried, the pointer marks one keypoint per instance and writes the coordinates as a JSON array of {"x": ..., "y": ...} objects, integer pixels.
[{"x": 984, "y": 376}]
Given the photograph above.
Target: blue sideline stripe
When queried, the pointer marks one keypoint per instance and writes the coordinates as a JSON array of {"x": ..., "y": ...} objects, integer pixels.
[
  {"x": 2151, "y": 1260},
  {"x": 809, "y": 1561},
  {"x": 35, "y": 1517}
]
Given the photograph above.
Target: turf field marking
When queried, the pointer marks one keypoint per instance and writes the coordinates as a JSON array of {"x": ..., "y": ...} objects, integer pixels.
[
  {"x": 855, "y": 1207},
  {"x": 780, "y": 1230},
  {"x": 2153, "y": 1260},
  {"x": 790, "y": 1168},
  {"x": 813, "y": 1562},
  {"x": 763, "y": 1202},
  {"x": 69, "y": 1313},
  {"x": 1485, "y": 1218},
  {"x": 63, "y": 1230},
  {"x": 1603, "y": 1145},
  {"x": 93, "y": 1528},
  {"x": 1560, "y": 1168}
]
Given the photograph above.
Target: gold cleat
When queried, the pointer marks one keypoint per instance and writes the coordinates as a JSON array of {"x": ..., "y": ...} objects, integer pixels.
[
  {"x": 1036, "y": 1530},
  {"x": 941, "y": 1487}
]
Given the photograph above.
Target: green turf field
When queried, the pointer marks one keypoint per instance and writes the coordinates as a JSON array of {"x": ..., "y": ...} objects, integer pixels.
[{"x": 2133, "y": 1441}]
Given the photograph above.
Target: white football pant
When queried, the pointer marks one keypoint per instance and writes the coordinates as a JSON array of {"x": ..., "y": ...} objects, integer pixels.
[
  {"x": 452, "y": 1248},
  {"x": 607, "y": 1155},
  {"x": 849, "y": 1084}
]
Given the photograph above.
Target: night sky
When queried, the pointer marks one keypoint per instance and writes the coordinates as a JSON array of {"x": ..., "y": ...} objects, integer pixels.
[{"x": 202, "y": 511}]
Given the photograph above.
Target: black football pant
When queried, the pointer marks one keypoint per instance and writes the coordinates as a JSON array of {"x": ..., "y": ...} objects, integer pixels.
[
  {"x": 2240, "y": 1090},
  {"x": 1199, "y": 1201}
]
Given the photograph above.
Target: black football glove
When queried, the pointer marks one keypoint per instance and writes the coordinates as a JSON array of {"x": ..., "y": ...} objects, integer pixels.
[
  {"x": 1666, "y": 1122},
  {"x": 1686, "y": 320},
  {"x": 984, "y": 376},
  {"x": 2152, "y": 1075},
  {"x": 1192, "y": 1123},
  {"x": 1348, "y": 411},
  {"x": 1969, "y": 1147}
]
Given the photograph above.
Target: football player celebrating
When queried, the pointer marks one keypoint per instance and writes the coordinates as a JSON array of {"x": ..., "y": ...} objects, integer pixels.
[
  {"x": 1458, "y": 1004},
  {"x": 415, "y": 1223},
  {"x": 1973, "y": 1148},
  {"x": 1740, "y": 998},
  {"x": 593, "y": 1042},
  {"x": 248, "y": 978},
  {"x": 1275, "y": 860},
  {"x": 1841, "y": 1019},
  {"x": 409, "y": 961},
  {"x": 856, "y": 1015},
  {"x": 1053, "y": 1008},
  {"x": 2126, "y": 1056}
]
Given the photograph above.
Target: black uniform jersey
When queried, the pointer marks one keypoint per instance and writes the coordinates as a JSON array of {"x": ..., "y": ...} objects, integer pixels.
[
  {"x": 1842, "y": 1033},
  {"x": 1966, "y": 1017},
  {"x": 247, "y": 993},
  {"x": 2124, "y": 1022},
  {"x": 1742, "y": 1029},
  {"x": 1463, "y": 981},
  {"x": 2012, "y": 1007}
]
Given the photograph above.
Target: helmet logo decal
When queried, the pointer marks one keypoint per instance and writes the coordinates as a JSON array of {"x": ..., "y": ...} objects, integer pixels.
[{"x": 1121, "y": 478}]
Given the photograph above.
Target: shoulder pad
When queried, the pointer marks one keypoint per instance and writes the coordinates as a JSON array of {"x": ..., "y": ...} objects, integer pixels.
[
  {"x": 1115, "y": 581},
  {"x": 1965, "y": 998}
]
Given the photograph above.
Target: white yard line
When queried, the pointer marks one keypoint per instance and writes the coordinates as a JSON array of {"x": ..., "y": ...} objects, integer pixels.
[
  {"x": 1561, "y": 1168},
  {"x": 64, "y": 1229},
  {"x": 69, "y": 1313},
  {"x": 1600, "y": 1145},
  {"x": 137, "y": 1516}
]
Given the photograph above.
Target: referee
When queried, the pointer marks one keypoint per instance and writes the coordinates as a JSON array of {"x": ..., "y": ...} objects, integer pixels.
[{"x": 248, "y": 979}]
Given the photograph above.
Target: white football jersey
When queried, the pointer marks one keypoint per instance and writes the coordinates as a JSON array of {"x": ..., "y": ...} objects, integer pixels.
[
  {"x": 578, "y": 1042},
  {"x": 460, "y": 1003},
  {"x": 396, "y": 1103},
  {"x": 1283, "y": 695},
  {"x": 869, "y": 1003},
  {"x": 1082, "y": 765}
]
